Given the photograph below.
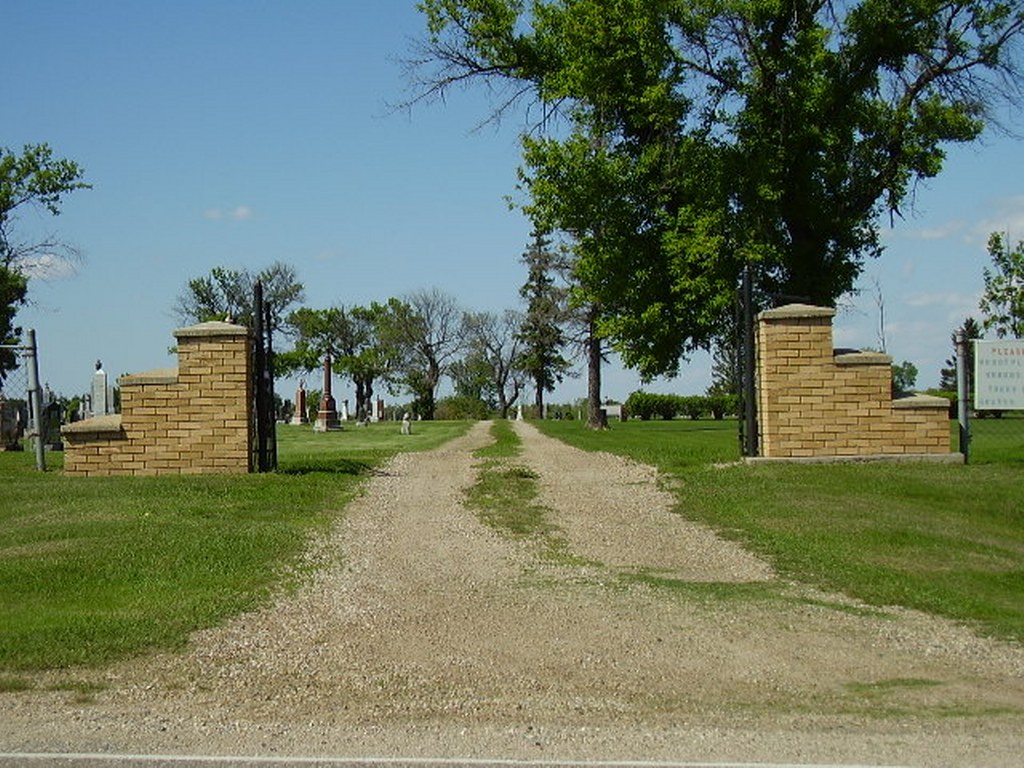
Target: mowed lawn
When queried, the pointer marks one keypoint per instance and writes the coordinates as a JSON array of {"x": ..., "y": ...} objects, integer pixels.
[
  {"x": 946, "y": 539},
  {"x": 96, "y": 569}
]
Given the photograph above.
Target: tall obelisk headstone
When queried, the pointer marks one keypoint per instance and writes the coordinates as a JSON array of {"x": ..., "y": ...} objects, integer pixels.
[
  {"x": 99, "y": 393},
  {"x": 327, "y": 416}
]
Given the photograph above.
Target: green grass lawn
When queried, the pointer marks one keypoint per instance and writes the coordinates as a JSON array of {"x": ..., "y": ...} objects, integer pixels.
[
  {"x": 948, "y": 539},
  {"x": 94, "y": 569}
]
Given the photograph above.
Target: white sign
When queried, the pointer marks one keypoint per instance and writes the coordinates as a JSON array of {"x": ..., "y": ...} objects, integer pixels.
[{"x": 999, "y": 375}]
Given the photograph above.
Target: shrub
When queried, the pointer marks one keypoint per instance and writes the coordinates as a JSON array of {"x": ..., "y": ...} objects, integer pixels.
[
  {"x": 693, "y": 407},
  {"x": 722, "y": 405},
  {"x": 640, "y": 405},
  {"x": 645, "y": 406},
  {"x": 461, "y": 407},
  {"x": 666, "y": 406}
]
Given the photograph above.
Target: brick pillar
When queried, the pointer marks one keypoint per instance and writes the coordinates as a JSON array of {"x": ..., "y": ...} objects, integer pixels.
[
  {"x": 216, "y": 397},
  {"x": 794, "y": 349}
]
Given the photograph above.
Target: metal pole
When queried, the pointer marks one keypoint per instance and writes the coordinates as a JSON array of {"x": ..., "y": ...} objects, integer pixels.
[
  {"x": 269, "y": 374},
  {"x": 749, "y": 363},
  {"x": 963, "y": 395},
  {"x": 35, "y": 403},
  {"x": 261, "y": 391}
]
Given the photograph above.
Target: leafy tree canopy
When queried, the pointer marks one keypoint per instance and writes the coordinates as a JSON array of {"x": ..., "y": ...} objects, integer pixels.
[
  {"x": 702, "y": 135},
  {"x": 1003, "y": 299},
  {"x": 35, "y": 178},
  {"x": 228, "y": 293},
  {"x": 350, "y": 336},
  {"x": 494, "y": 347},
  {"x": 422, "y": 335}
]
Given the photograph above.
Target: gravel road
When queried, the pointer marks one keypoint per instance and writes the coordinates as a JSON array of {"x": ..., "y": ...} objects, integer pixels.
[{"x": 424, "y": 633}]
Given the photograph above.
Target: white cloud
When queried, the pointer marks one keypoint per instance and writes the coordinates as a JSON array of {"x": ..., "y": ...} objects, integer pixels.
[
  {"x": 238, "y": 213},
  {"x": 954, "y": 306},
  {"x": 948, "y": 229},
  {"x": 1007, "y": 217},
  {"x": 47, "y": 266},
  {"x": 938, "y": 232},
  {"x": 937, "y": 299}
]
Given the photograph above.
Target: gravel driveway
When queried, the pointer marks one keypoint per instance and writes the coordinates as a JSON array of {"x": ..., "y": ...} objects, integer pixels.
[{"x": 424, "y": 633}]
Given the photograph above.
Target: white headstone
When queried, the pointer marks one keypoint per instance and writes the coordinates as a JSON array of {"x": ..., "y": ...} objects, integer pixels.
[{"x": 99, "y": 392}]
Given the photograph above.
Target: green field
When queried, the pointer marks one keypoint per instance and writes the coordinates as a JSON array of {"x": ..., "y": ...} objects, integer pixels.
[
  {"x": 94, "y": 569},
  {"x": 947, "y": 539}
]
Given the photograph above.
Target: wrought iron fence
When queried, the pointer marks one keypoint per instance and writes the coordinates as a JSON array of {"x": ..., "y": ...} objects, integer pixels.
[{"x": 25, "y": 379}]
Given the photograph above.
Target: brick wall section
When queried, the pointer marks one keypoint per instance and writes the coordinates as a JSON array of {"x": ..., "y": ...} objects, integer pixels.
[
  {"x": 196, "y": 418},
  {"x": 814, "y": 401}
]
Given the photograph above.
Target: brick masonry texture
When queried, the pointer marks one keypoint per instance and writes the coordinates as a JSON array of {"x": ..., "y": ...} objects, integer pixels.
[
  {"x": 814, "y": 401},
  {"x": 193, "y": 419}
]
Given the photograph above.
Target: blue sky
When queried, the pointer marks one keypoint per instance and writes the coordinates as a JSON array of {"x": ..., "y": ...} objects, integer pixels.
[{"x": 237, "y": 133}]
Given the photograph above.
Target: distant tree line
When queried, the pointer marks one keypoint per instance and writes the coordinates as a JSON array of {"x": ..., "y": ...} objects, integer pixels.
[
  {"x": 408, "y": 344},
  {"x": 645, "y": 406}
]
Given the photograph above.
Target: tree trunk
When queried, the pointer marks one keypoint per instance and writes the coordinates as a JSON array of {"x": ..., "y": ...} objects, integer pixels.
[
  {"x": 539, "y": 398},
  {"x": 596, "y": 418}
]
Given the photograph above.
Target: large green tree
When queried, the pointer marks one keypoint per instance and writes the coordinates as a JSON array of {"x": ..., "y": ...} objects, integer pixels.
[
  {"x": 32, "y": 179},
  {"x": 493, "y": 346},
  {"x": 350, "y": 335},
  {"x": 702, "y": 135},
  {"x": 1003, "y": 299},
  {"x": 422, "y": 335}
]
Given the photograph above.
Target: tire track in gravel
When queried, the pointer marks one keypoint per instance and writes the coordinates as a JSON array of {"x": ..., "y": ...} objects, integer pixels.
[{"x": 613, "y": 511}]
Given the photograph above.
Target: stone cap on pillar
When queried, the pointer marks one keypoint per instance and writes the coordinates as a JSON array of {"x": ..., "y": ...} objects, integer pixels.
[
  {"x": 211, "y": 328},
  {"x": 796, "y": 311}
]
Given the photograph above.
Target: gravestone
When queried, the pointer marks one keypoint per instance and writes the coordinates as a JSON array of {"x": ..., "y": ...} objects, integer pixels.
[
  {"x": 52, "y": 418},
  {"x": 10, "y": 426},
  {"x": 99, "y": 393},
  {"x": 300, "y": 417},
  {"x": 327, "y": 416}
]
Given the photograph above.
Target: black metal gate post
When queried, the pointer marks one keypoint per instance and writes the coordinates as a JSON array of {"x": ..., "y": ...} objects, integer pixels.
[
  {"x": 748, "y": 395},
  {"x": 963, "y": 394},
  {"x": 263, "y": 384},
  {"x": 269, "y": 378}
]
